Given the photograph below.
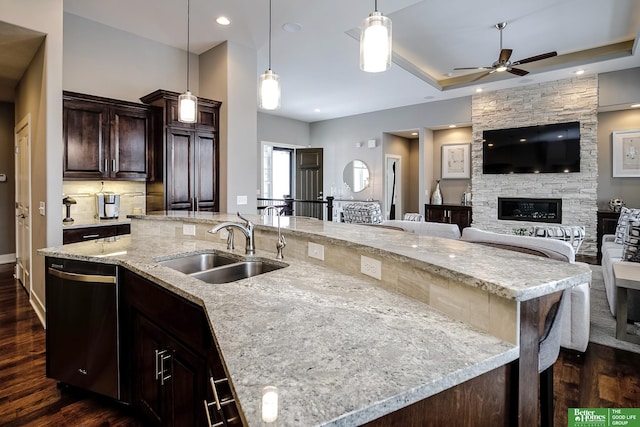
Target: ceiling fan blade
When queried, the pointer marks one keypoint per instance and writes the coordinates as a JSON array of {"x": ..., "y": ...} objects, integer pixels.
[
  {"x": 481, "y": 76},
  {"x": 505, "y": 54},
  {"x": 473, "y": 68},
  {"x": 536, "y": 58},
  {"x": 518, "y": 71}
]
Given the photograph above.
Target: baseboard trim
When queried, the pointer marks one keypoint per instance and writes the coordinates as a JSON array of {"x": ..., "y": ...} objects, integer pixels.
[
  {"x": 8, "y": 258},
  {"x": 38, "y": 307}
]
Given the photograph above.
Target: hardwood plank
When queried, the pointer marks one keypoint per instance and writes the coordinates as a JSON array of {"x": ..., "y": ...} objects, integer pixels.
[{"x": 27, "y": 396}]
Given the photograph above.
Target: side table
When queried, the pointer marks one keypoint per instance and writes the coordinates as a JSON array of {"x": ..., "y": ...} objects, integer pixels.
[{"x": 626, "y": 277}]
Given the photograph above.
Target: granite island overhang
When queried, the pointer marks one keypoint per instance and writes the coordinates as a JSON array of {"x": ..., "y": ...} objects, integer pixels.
[{"x": 342, "y": 349}]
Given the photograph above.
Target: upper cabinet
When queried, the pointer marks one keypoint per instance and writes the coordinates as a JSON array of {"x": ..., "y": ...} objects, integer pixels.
[
  {"x": 105, "y": 138},
  {"x": 185, "y": 166}
]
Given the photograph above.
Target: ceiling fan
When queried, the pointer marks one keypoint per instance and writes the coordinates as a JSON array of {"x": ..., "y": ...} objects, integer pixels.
[{"x": 503, "y": 63}]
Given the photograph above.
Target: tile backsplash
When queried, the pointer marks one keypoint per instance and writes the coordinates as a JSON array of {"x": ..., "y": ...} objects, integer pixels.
[{"x": 132, "y": 198}]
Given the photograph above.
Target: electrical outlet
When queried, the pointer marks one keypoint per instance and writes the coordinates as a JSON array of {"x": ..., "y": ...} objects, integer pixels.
[
  {"x": 241, "y": 200},
  {"x": 371, "y": 267},
  {"x": 189, "y": 229},
  {"x": 42, "y": 209},
  {"x": 316, "y": 251}
]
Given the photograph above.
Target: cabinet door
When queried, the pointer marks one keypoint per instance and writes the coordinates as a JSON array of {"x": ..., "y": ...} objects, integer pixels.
[
  {"x": 86, "y": 139},
  {"x": 206, "y": 172},
  {"x": 435, "y": 214},
  {"x": 147, "y": 390},
  {"x": 461, "y": 217},
  {"x": 180, "y": 160},
  {"x": 130, "y": 128}
]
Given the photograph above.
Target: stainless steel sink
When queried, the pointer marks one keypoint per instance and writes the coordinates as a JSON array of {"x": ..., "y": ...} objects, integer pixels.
[
  {"x": 213, "y": 267},
  {"x": 237, "y": 271},
  {"x": 198, "y": 262}
]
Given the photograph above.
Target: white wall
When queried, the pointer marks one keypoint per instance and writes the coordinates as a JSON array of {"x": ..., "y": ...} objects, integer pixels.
[
  {"x": 103, "y": 61},
  {"x": 338, "y": 137},
  {"x": 228, "y": 74},
  {"x": 40, "y": 94}
]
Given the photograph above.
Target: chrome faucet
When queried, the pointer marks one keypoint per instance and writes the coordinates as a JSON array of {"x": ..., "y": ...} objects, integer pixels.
[
  {"x": 247, "y": 230},
  {"x": 281, "y": 243}
]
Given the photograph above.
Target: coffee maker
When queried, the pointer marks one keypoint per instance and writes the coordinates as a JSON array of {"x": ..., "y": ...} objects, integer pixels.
[{"x": 108, "y": 205}]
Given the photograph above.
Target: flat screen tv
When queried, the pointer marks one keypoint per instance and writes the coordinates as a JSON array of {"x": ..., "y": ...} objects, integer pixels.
[{"x": 552, "y": 148}]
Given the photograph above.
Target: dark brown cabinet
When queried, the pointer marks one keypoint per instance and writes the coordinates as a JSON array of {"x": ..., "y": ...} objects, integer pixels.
[
  {"x": 449, "y": 214},
  {"x": 105, "y": 138},
  {"x": 173, "y": 358},
  {"x": 73, "y": 235},
  {"x": 607, "y": 223},
  {"x": 186, "y": 162}
]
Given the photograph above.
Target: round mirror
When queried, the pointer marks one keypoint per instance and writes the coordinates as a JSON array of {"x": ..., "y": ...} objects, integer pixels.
[{"x": 356, "y": 175}]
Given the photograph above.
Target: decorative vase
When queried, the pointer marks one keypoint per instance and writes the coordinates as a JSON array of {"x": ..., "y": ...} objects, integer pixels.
[{"x": 436, "y": 197}]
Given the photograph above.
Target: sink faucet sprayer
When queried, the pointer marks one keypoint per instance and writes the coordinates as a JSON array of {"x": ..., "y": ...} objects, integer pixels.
[
  {"x": 281, "y": 243},
  {"x": 247, "y": 230}
]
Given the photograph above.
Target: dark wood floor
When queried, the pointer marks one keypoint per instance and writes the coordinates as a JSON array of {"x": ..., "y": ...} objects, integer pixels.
[
  {"x": 601, "y": 377},
  {"x": 27, "y": 396}
]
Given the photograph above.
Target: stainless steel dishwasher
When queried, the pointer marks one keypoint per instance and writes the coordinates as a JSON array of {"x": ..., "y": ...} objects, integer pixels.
[{"x": 82, "y": 325}]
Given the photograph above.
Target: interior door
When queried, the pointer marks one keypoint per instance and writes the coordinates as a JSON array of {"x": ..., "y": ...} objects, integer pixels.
[
  {"x": 23, "y": 203},
  {"x": 309, "y": 182}
]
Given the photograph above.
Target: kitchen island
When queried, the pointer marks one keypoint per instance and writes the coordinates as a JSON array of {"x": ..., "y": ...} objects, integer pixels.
[{"x": 344, "y": 349}]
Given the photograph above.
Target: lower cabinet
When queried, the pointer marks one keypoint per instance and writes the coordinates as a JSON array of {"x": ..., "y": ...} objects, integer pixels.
[
  {"x": 449, "y": 214},
  {"x": 174, "y": 363},
  {"x": 73, "y": 235}
]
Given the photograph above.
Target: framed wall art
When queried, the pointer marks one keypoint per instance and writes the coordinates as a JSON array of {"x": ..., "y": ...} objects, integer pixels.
[
  {"x": 625, "y": 153},
  {"x": 456, "y": 161}
]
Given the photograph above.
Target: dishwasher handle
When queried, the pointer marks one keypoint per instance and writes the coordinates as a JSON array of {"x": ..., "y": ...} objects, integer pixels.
[{"x": 88, "y": 278}]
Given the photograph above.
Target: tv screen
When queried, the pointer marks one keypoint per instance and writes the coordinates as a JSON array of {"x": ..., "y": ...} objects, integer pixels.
[{"x": 552, "y": 148}]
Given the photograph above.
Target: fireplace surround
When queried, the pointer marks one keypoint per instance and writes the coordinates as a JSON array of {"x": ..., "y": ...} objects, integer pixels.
[{"x": 530, "y": 209}]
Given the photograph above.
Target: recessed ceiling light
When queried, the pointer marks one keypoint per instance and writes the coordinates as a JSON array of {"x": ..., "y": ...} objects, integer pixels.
[
  {"x": 452, "y": 126},
  {"x": 560, "y": 136},
  {"x": 223, "y": 20},
  {"x": 635, "y": 105},
  {"x": 478, "y": 90},
  {"x": 579, "y": 72},
  {"x": 291, "y": 27},
  {"x": 523, "y": 139},
  {"x": 414, "y": 133}
]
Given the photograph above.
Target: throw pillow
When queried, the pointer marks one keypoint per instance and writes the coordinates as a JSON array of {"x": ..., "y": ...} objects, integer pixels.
[
  {"x": 631, "y": 248},
  {"x": 623, "y": 220}
]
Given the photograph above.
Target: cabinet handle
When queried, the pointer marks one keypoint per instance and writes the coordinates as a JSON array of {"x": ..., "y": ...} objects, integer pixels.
[
  {"x": 90, "y": 236},
  {"x": 113, "y": 165},
  {"x": 106, "y": 165},
  {"x": 196, "y": 208},
  {"x": 218, "y": 403},
  {"x": 161, "y": 357}
]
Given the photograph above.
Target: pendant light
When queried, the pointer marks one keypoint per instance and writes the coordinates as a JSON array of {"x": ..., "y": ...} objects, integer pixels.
[
  {"x": 269, "y": 82},
  {"x": 187, "y": 102},
  {"x": 375, "y": 42}
]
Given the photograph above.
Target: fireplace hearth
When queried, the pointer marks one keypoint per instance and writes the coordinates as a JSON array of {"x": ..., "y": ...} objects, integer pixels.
[{"x": 530, "y": 209}]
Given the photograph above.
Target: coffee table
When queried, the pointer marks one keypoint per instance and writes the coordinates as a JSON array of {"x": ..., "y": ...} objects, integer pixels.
[{"x": 626, "y": 277}]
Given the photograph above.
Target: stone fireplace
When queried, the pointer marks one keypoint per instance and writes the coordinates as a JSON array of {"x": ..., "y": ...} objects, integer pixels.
[
  {"x": 574, "y": 99},
  {"x": 528, "y": 209}
]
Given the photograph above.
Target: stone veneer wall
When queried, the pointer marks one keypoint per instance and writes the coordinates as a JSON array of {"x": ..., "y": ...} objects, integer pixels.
[{"x": 574, "y": 99}]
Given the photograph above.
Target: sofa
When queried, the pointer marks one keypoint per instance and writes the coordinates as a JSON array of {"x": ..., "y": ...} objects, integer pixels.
[
  {"x": 612, "y": 251},
  {"x": 576, "y": 311},
  {"x": 436, "y": 229}
]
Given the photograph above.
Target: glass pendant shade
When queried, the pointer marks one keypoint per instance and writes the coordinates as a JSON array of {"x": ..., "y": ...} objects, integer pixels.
[
  {"x": 187, "y": 107},
  {"x": 375, "y": 43},
  {"x": 269, "y": 90}
]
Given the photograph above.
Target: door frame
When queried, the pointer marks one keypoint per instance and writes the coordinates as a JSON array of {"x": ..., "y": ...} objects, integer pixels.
[
  {"x": 387, "y": 191},
  {"x": 22, "y": 124},
  {"x": 262, "y": 165}
]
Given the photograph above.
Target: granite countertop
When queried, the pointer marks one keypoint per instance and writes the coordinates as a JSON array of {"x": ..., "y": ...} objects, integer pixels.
[
  {"x": 341, "y": 350},
  {"x": 509, "y": 274}
]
